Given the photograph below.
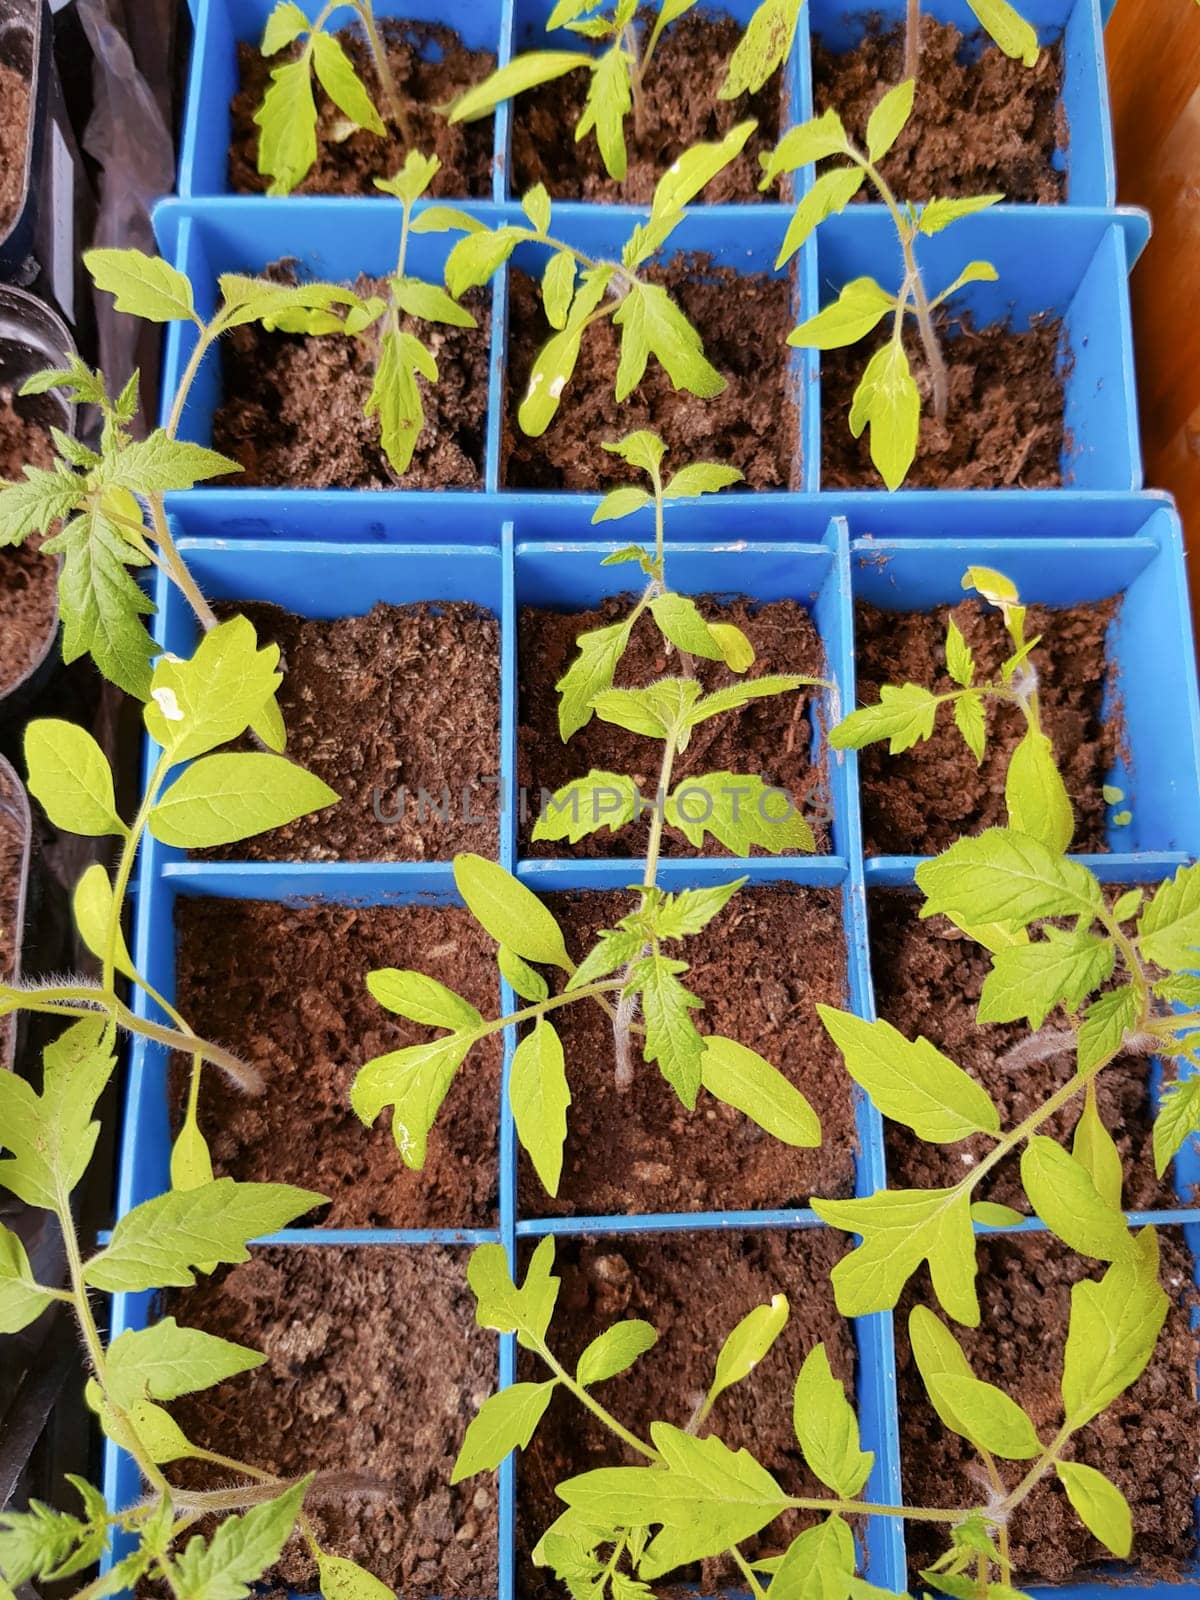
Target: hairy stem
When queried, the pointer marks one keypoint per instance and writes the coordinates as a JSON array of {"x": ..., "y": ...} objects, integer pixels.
[
  {"x": 637, "y": 93},
  {"x": 176, "y": 567},
  {"x": 912, "y": 39},
  {"x": 383, "y": 71}
]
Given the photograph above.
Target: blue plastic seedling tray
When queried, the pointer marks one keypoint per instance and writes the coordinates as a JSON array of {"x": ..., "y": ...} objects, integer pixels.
[
  {"x": 1070, "y": 549},
  {"x": 510, "y": 27}
]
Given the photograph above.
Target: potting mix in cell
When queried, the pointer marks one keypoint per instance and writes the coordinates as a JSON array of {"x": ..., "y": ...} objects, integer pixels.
[{"x": 603, "y": 822}]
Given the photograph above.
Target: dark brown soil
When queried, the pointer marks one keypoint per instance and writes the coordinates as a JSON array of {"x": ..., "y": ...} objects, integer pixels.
[
  {"x": 13, "y": 844},
  {"x": 928, "y": 977},
  {"x": 350, "y": 165},
  {"x": 744, "y": 322},
  {"x": 920, "y": 802},
  {"x": 293, "y": 412},
  {"x": 760, "y": 967},
  {"x": 769, "y": 738},
  {"x": 284, "y": 987},
  {"x": 1146, "y": 1442},
  {"x": 693, "y": 1289},
  {"x": 14, "y": 138},
  {"x": 28, "y": 579},
  {"x": 1003, "y": 427},
  {"x": 981, "y": 123},
  {"x": 681, "y": 109},
  {"x": 407, "y": 696},
  {"x": 374, "y": 1364}
]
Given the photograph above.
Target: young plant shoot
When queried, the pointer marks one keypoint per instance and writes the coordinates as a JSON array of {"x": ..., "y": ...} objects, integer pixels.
[
  {"x": 1003, "y": 23},
  {"x": 887, "y": 400},
  {"x": 620, "y": 71},
  {"x": 693, "y": 1498},
  {"x": 578, "y": 290},
  {"x": 630, "y": 971},
  {"x": 287, "y": 118},
  {"x": 160, "y": 1244}
]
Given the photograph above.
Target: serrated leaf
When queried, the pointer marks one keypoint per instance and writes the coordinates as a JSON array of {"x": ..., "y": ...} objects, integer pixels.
[
  {"x": 70, "y": 777},
  {"x": 612, "y": 950},
  {"x": 215, "y": 695},
  {"x": 240, "y": 1551},
  {"x": 521, "y": 978},
  {"x": 21, "y": 1300},
  {"x": 609, "y": 99},
  {"x": 51, "y": 1136},
  {"x": 827, "y": 1428},
  {"x": 697, "y": 167},
  {"x": 157, "y": 1244},
  {"x": 672, "y": 1039},
  {"x": 558, "y": 287},
  {"x": 818, "y": 1564},
  {"x": 223, "y": 798},
  {"x": 910, "y": 1081},
  {"x": 702, "y": 477},
  {"x": 159, "y": 462},
  {"x": 904, "y": 715},
  {"x": 522, "y": 72},
  {"x": 960, "y": 658},
  {"x": 1093, "y": 1147},
  {"x": 1062, "y": 1192},
  {"x": 888, "y": 118},
  {"x": 641, "y": 448},
  {"x": 938, "y": 214},
  {"x": 589, "y": 675},
  {"x": 413, "y": 178},
  {"x": 287, "y": 126},
  {"x": 142, "y": 285},
  {"x": 430, "y": 302},
  {"x": 285, "y": 24},
  {"x": 677, "y": 915},
  {"x": 652, "y": 324},
  {"x": 414, "y": 1081},
  {"x": 588, "y": 805},
  {"x": 539, "y": 1096},
  {"x": 342, "y": 84},
  {"x": 969, "y": 720},
  {"x": 1008, "y": 28},
  {"x": 614, "y": 1351},
  {"x": 1028, "y": 980},
  {"x": 807, "y": 142},
  {"x": 860, "y": 305},
  {"x": 100, "y": 603},
  {"x": 1035, "y": 794},
  {"x": 35, "y": 502},
  {"x": 830, "y": 194},
  {"x": 343, "y": 1579},
  {"x": 506, "y": 1421},
  {"x": 900, "y": 1228},
  {"x": 746, "y": 1344},
  {"x": 1105, "y": 1023},
  {"x": 1006, "y": 877},
  {"x": 164, "y": 1361},
  {"x": 1169, "y": 926},
  {"x": 740, "y": 811},
  {"x": 1103, "y": 1509},
  {"x": 763, "y": 47},
  {"x": 396, "y": 398},
  {"x": 501, "y": 1306},
  {"x": 888, "y": 403},
  {"x": 1113, "y": 1331},
  {"x": 990, "y": 1419},
  {"x": 422, "y": 999},
  {"x": 741, "y": 1078},
  {"x": 1178, "y": 1118},
  {"x": 510, "y": 912}
]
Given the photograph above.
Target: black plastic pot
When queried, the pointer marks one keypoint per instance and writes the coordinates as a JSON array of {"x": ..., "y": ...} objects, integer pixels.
[
  {"x": 25, "y": 43},
  {"x": 32, "y": 337},
  {"x": 14, "y": 814}
]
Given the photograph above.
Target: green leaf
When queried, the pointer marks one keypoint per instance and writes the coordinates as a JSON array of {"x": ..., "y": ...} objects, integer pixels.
[
  {"x": 240, "y": 1551},
  {"x": 1127, "y": 905},
  {"x": 558, "y": 287},
  {"x": 159, "y": 462},
  {"x": 51, "y": 1136},
  {"x": 100, "y": 603},
  {"x": 287, "y": 124},
  {"x": 623, "y": 502},
  {"x": 857, "y": 309},
  {"x": 415, "y": 1081},
  {"x": 1028, "y": 980},
  {"x": 522, "y": 72},
  {"x": 413, "y": 178},
  {"x": 1103, "y": 1509},
  {"x": 510, "y": 912},
  {"x": 736, "y": 695},
  {"x": 70, "y": 776},
  {"x": 652, "y": 324},
  {"x": 191, "y": 1163},
  {"x": 679, "y": 621},
  {"x": 1036, "y": 795},
  {"x": 421, "y": 999},
  {"x": 42, "y": 1543},
  {"x": 960, "y": 658},
  {"x": 1113, "y": 1331},
  {"x": 741, "y": 1078},
  {"x": 888, "y": 118},
  {"x": 613, "y": 950},
  {"x": 440, "y": 219},
  {"x": 342, "y": 84},
  {"x": 969, "y": 720},
  {"x": 641, "y": 448},
  {"x": 520, "y": 977},
  {"x": 552, "y": 370},
  {"x": 430, "y": 302},
  {"x": 21, "y": 1300},
  {"x": 587, "y": 805},
  {"x": 985, "y": 1415},
  {"x": 342, "y": 1579},
  {"x": 474, "y": 259},
  {"x": 589, "y": 675},
  {"x": 702, "y": 477},
  {"x": 1095, "y": 1151},
  {"x": 647, "y": 711},
  {"x": 1008, "y": 28},
  {"x": 904, "y": 715},
  {"x": 539, "y": 1097},
  {"x": 1169, "y": 927},
  {"x": 697, "y": 167},
  {"x": 157, "y": 1244},
  {"x": 159, "y": 1435},
  {"x": 818, "y": 1564},
  {"x": 614, "y": 1351},
  {"x": 900, "y": 1228},
  {"x": 762, "y": 49},
  {"x": 504, "y": 1422},
  {"x": 1177, "y": 1120},
  {"x": 286, "y": 23},
  {"x": 609, "y": 98},
  {"x": 747, "y": 1344},
  {"x": 672, "y": 1039},
  {"x": 938, "y": 1355},
  {"x": 910, "y": 1081},
  {"x": 807, "y": 142},
  {"x": 144, "y": 286},
  {"x": 33, "y": 504},
  {"x": 938, "y": 214},
  {"x": 706, "y": 1497},
  {"x": 501, "y": 1306},
  {"x": 739, "y": 811},
  {"x": 164, "y": 1361},
  {"x": 830, "y": 194},
  {"x": 827, "y": 1428},
  {"x": 990, "y": 1215},
  {"x": 395, "y": 396},
  {"x": 223, "y": 798},
  {"x": 1105, "y": 1023},
  {"x": 1062, "y": 1192},
  {"x": 1006, "y": 877},
  {"x": 888, "y": 403},
  {"x": 214, "y": 696}
]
